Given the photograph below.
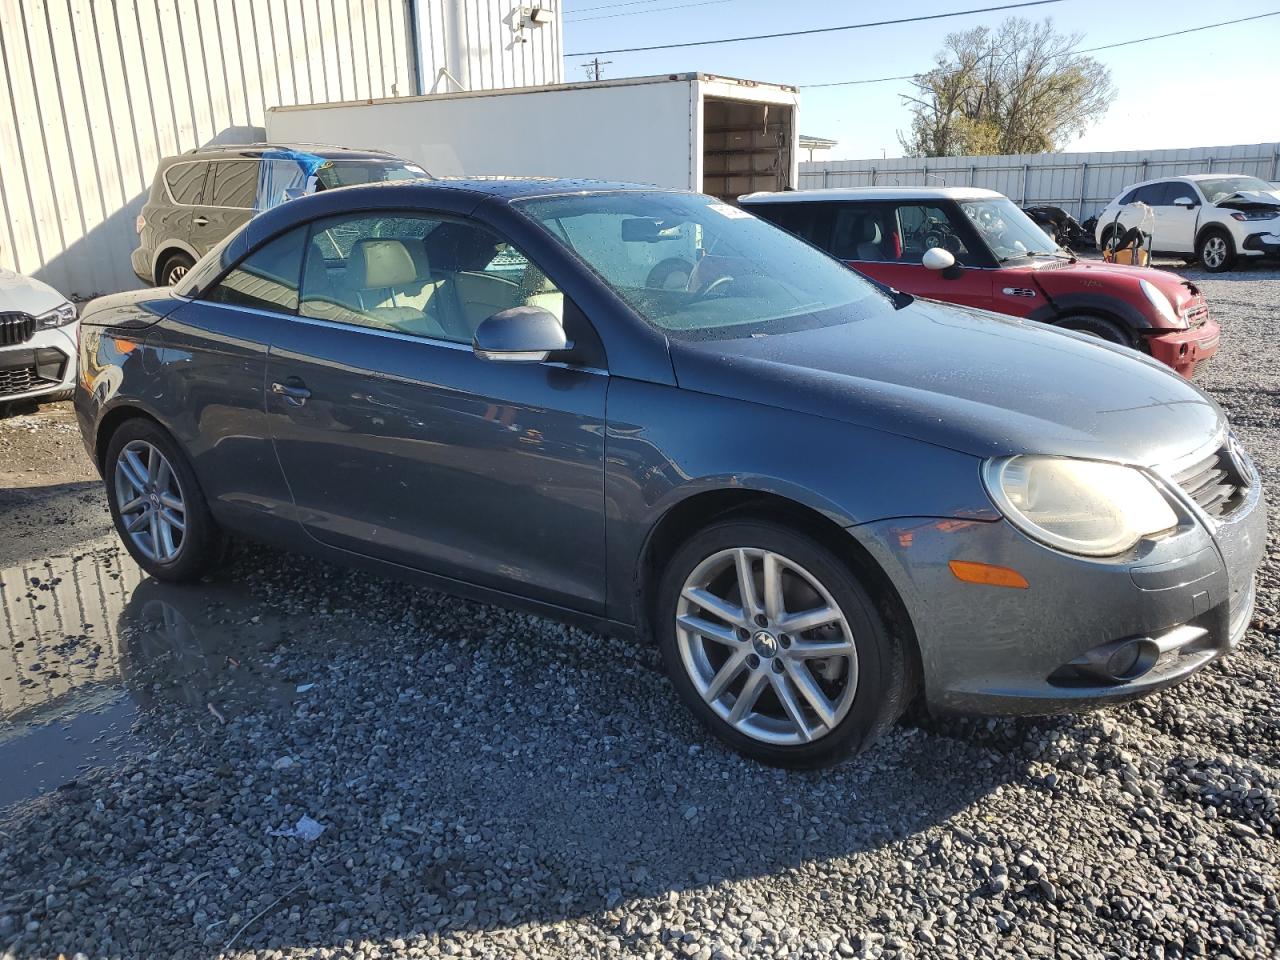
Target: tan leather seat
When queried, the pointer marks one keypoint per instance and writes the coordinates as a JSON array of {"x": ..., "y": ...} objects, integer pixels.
[{"x": 536, "y": 290}]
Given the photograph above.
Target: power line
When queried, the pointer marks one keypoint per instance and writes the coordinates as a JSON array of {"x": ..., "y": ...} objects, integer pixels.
[
  {"x": 803, "y": 33},
  {"x": 1109, "y": 46},
  {"x": 610, "y": 6},
  {"x": 636, "y": 13}
]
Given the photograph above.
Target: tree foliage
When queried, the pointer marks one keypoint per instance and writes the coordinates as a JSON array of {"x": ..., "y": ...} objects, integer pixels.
[{"x": 1019, "y": 88}]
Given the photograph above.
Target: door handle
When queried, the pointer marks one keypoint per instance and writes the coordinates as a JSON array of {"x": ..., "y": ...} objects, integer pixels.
[
  {"x": 200, "y": 221},
  {"x": 294, "y": 393}
]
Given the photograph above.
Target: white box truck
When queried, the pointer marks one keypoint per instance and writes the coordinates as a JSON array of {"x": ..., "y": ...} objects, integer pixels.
[{"x": 692, "y": 131}]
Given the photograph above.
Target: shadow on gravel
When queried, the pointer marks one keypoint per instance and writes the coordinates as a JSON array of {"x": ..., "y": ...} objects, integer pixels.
[{"x": 473, "y": 769}]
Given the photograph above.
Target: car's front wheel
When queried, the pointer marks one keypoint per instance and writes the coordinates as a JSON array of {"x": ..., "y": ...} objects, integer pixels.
[
  {"x": 157, "y": 505},
  {"x": 776, "y": 645},
  {"x": 1100, "y": 328},
  {"x": 1217, "y": 251}
]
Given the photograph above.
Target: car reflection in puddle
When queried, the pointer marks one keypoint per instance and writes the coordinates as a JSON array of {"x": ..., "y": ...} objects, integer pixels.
[{"x": 88, "y": 644}]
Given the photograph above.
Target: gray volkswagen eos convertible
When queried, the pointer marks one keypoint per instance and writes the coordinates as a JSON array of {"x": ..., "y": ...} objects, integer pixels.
[{"x": 648, "y": 411}]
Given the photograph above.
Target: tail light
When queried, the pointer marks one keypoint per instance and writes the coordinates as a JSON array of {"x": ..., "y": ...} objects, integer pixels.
[{"x": 139, "y": 223}]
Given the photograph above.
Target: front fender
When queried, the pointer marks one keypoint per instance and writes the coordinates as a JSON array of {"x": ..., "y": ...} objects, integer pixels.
[
  {"x": 1063, "y": 305},
  {"x": 666, "y": 445}
]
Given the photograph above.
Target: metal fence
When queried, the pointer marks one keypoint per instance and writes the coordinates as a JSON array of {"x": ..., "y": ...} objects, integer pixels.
[{"x": 1080, "y": 183}]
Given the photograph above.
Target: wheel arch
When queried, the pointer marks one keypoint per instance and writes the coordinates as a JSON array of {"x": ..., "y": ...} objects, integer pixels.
[
  {"x": 1065, "y": 306},
  {"x": 170, "y": 247},
  {"x": 1213, "y": 226},
  {"x": 112, "y": 421},
  {"x": 684, "y": 519}
]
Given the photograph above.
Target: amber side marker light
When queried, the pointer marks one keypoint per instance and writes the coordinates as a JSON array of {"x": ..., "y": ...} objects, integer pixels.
[{"x": 987, "y": 573}]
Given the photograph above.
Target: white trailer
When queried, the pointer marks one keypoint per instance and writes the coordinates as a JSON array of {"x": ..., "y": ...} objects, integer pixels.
[{"x": 691, "y": 131}]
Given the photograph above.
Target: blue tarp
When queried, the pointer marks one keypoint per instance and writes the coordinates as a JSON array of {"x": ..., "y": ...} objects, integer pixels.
[{"x": 284, "y": 175}]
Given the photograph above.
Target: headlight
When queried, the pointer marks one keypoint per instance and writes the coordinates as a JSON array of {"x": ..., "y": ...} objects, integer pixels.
[
  {"x": 59, "y": 317},
  {"x": 1160, "y": 302},
  {"x": 1081, "y": 506}
]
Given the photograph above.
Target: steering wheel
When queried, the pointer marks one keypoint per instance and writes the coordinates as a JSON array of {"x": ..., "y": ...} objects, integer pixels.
[{"x": 672, "y": 273}]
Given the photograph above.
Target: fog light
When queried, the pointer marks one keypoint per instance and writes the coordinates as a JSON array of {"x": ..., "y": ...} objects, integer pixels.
[{"x": 1131, "y": 659}]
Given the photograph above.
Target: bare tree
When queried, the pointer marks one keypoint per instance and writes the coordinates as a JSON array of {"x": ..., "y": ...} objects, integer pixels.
[{"x": 1020, "y": 88}]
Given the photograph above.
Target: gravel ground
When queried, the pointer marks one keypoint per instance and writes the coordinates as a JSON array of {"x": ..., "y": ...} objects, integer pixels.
[{"x": 492, "y": 784}]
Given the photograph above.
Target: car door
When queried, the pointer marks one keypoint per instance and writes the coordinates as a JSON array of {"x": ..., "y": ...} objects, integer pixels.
[
  {"x": 211, "y": 358},
  {"x": 228, "y": 201},
  {"x": 1175, "y": 230},
  {"x": 887, "y": 241},
  {"x": 185, "y": 183},
  {"x": 399, "y": 443}
]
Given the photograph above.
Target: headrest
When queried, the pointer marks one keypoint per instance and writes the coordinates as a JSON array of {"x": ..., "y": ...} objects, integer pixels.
[
  {"x": 317, "y": 271},
  {"x": 376, "y": 263},
  {"x": 417, "y": 248},
  {"x": 868, "y": 231}
]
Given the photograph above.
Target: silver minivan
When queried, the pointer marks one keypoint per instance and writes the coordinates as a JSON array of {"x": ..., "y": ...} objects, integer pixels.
[{"x": 199, "y": 197}]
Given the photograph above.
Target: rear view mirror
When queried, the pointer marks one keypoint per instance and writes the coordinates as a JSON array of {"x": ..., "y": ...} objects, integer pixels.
[
  {"x": 648, "y": 230},
  {"x": 943, "y": 262},
  {"x": 1184, "y": 202},
  {"x": 520, "y": 335}
]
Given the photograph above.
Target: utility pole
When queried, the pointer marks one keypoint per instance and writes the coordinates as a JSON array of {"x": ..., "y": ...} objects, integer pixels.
[{"x": 593, "y": 67}]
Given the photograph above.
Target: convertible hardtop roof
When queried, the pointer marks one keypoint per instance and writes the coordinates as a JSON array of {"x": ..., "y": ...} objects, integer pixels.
[
  {"x": 872, "y": 193},
  {"x": 518, "y": 188}
]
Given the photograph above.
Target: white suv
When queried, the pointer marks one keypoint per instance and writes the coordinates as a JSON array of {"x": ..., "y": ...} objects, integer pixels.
[
  {"x": 1212, "y": 217},
  {"x": 37, "y": 340}
]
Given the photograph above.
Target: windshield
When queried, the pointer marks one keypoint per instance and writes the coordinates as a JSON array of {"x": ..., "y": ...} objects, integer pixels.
[
  {"x": 1222, "y": 187},
  {"x": 1008, "y": 231},
  {"x": 699, "y": 268},
  {"x": 348, "y": 173}
]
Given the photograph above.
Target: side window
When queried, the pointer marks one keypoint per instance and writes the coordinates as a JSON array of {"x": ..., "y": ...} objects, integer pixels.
[
  {"x": 417, "y": 275},
  {"x": 266, "y": 279},
  {"x": 186, "y": 181},
  {"x": 1129, "y": 197},
  {"x": 809, "y": 220},
  {"x": 916, "y": 228},
  {"x": 1152, "y": 195},
  {"x": 235, "y": 183},
  {"x": 1179, "y": 190},
  {"x": 866, "y": 232}
]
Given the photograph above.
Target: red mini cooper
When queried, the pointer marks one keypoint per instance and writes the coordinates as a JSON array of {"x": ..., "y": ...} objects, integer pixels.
[{"x": 976, "y": 248}]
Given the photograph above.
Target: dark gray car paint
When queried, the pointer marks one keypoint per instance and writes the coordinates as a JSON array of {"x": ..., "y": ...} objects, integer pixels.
[{"x": 879, "y": 424}]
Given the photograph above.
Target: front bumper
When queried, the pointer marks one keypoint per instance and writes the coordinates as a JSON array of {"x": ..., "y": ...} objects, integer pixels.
[
  {"x": 43, "y": 365},
  {"x": 140, "y": 260},
  {"x": 1186, "y": 350},
  {"x": 1264, "y": 243},
  {"x": 988, "y": 649}
]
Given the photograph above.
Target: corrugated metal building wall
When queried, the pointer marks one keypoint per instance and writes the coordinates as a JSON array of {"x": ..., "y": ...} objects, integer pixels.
[
  {"x": 94, "y": 92},
  {"x": 1080, "y": 183}
]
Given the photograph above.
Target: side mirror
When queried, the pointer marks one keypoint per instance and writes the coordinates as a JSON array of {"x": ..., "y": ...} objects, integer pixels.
[
  {"x": 520, "y": 335},
  {"x": 943, "y": 262},
  {"x": 1184, "y": 202}
]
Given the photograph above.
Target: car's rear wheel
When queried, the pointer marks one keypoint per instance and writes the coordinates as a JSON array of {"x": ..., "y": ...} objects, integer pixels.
[
  {"x": 1101, "y": 328},
  {"x": 157, "y": 505},
  {"x": 1217, "y": 251},
  {"x": 776, "y": 646},
  {"x": 175, "y": 267}
]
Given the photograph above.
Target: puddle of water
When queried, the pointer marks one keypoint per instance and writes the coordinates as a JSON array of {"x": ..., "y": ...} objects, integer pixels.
[{"x": 88, "y": 642}]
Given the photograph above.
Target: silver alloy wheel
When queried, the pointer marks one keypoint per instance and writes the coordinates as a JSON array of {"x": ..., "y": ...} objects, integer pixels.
[
  {"x": 1215, "y": 252},
  {"x": 176, "y": 273},
  {"x": 766, "y": 646},
  {"x": 149, "y": 496}
]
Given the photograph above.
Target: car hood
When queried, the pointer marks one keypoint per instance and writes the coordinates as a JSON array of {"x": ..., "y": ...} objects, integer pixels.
[
  {"x": 1251, "y": 200},
  {"x": 27, "y": 295},
  {"x": 972, "y": 381},
  {"x": 1061, "y": 277},
  {"x": 131, "y": 308}
]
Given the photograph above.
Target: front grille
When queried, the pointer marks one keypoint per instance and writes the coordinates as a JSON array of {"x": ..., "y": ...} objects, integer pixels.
[
  {"x": 16, "y": 328},
  {"x": 1215, "y": 484},
  {"x": 15, "y": 380}
]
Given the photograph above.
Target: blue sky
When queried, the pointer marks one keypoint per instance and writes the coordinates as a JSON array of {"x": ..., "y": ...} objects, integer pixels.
[{"x": 1220, "y": 86}]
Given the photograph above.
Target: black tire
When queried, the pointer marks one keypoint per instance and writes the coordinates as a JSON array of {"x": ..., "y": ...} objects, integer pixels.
[
  {"x": 203, "y": 545},
  {"x": 1100, "y": 327},
  {"x": 1108, "y": 235},
  {"x": 173, "y": 268},
  {"x": 881, "y": 691},
  {"x": 1219, "y": 249}
]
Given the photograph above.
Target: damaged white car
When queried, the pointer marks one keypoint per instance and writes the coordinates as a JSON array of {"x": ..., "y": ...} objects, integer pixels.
[
  {"x": 37, "y": 340},
  {"x": 1215, "y": 218}
]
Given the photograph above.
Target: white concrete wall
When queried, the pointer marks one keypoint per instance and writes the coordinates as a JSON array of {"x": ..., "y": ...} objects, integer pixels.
[
  {"x": 94, "y": 92},
  {"x": 1080, "y": 183}
]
